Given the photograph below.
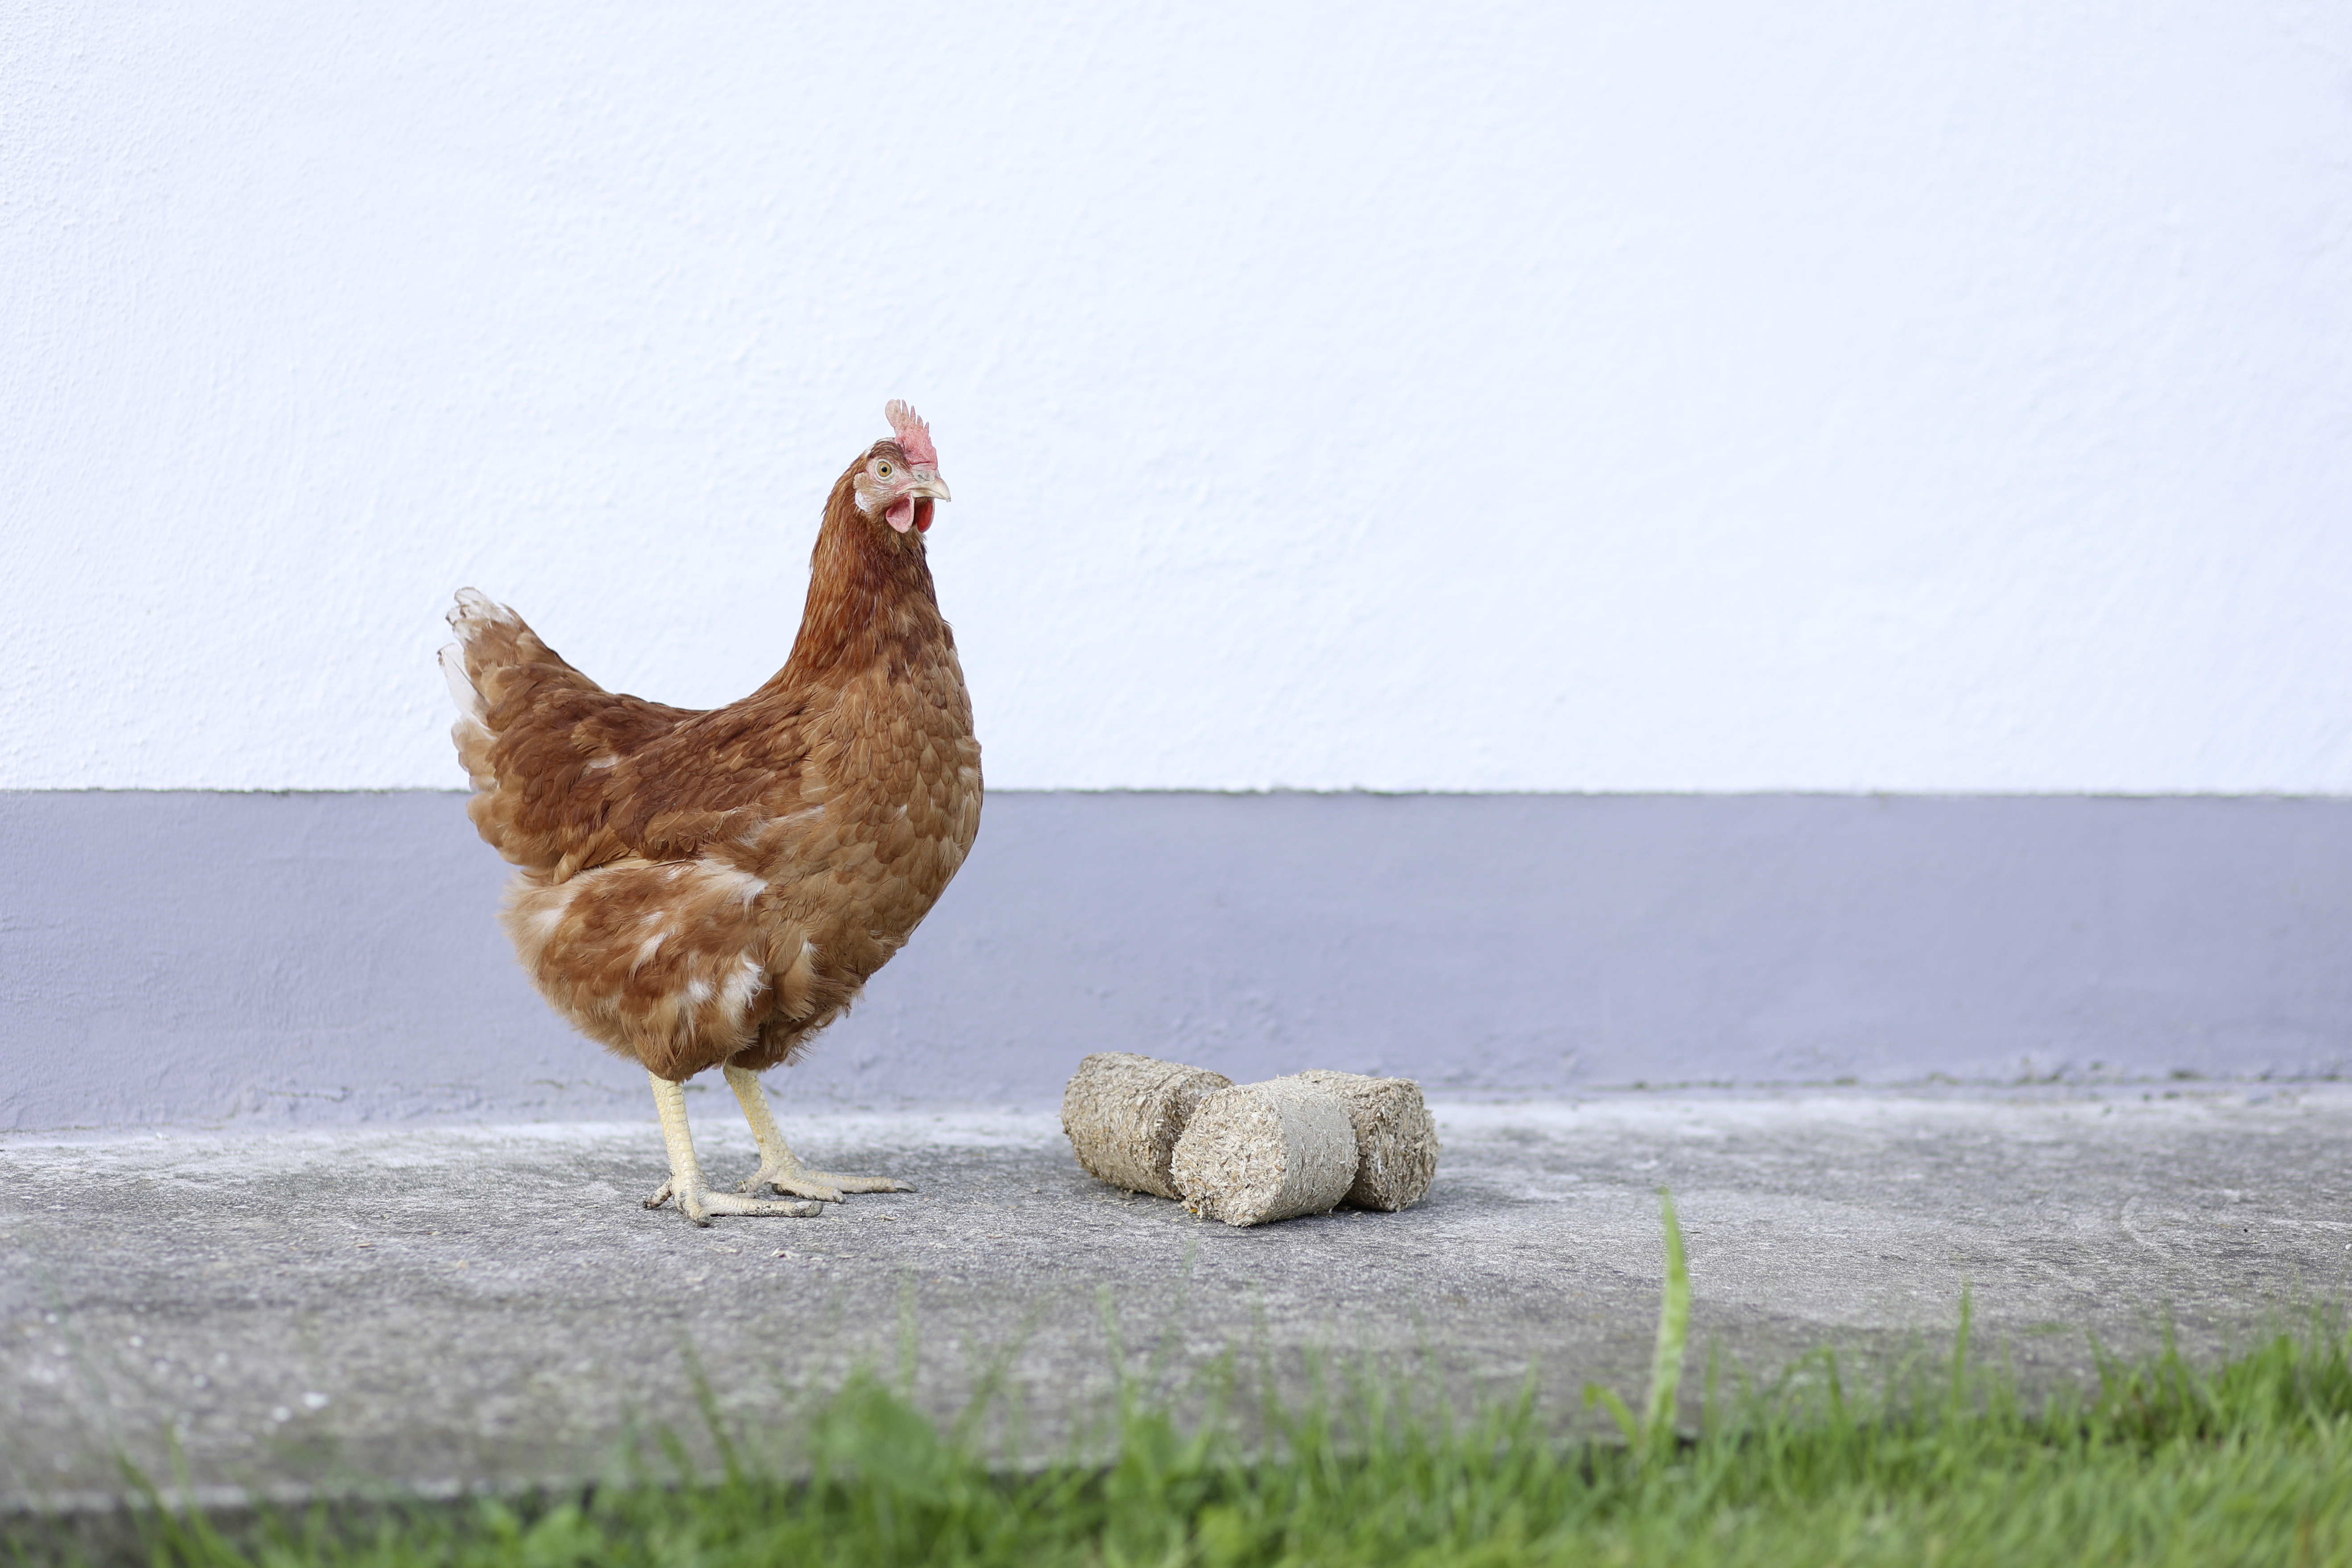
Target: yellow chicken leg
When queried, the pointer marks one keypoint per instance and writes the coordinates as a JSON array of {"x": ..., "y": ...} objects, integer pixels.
[
  {"x": 778, "y": 1168},
  {"x": 695, "y": 1198}
]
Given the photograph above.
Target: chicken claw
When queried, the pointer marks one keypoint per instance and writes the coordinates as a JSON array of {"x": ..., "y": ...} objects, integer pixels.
[
  {"x": 823, "y": 1185},
  {"x": 701, "y": 1206},
  {"x": 778, "y": 1166},
  {"x": 686, "y": 1186}
]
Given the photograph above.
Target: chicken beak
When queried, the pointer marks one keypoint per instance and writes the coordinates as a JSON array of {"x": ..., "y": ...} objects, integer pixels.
[{"x": 929, "y": 486}]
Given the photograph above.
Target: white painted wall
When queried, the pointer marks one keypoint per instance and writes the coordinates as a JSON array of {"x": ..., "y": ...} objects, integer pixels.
[{"x": 1525, "y": 396}]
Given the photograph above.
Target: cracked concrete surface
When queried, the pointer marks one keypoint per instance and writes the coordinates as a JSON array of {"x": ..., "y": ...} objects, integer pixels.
[{"x": 449, "y": 1307}]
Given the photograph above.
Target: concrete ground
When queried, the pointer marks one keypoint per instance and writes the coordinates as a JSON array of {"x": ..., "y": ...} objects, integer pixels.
[{"x": 444, "y": 1309}]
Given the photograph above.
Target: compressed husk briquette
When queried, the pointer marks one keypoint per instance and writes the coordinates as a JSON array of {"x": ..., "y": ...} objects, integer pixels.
[
  {"x": 1124, "y": 1112},
  {"x": 1266, "y": 1152},
  {"x": 1396, "y": 1140}
]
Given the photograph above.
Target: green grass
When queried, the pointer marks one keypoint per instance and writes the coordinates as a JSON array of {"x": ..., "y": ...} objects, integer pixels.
[{"x": 2250, "y": 1463}]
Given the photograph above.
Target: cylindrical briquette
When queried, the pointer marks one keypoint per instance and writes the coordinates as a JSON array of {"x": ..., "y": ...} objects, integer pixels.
[
  {"x": 1396, "y": 1140},
  {"x": 1266, "y": 1152},
  {"x": 1124, "y": 1114}
]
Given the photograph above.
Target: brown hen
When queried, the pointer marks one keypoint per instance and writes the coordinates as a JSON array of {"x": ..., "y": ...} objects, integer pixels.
[{"x": 712, "y": 889}]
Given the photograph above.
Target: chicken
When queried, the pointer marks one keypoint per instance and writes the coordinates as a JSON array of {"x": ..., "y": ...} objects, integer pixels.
[{"x": 712, "y": 889}]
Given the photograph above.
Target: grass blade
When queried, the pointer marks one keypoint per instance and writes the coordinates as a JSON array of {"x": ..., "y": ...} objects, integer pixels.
[{"x": 1673, "y": 1338}]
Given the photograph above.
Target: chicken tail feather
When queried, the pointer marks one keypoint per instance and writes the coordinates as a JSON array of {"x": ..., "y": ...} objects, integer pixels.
[{"x": 462, "y": 689}]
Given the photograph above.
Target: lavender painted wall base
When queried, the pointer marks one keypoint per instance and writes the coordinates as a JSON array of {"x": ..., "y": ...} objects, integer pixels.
[{"x": 332, "y": 958}]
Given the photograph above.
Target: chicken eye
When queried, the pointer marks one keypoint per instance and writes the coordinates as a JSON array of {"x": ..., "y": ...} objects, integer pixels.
[{"x": 884, "y": 471}]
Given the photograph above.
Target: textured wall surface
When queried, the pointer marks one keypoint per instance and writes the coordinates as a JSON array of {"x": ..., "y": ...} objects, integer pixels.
[
  {"x": 332, "y": 958},
  {"x": 1489, "y": 398},
  {"x": 1824, "y": 395}
]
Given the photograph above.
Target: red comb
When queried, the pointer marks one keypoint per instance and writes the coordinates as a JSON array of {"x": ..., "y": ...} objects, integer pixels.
[{"x": 914, "y": 435}]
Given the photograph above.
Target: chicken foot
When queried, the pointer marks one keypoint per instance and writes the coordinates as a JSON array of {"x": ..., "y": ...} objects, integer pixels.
[
  {"x": 695, "y": 1198},
  {"x": 778, "y": 1167}
]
